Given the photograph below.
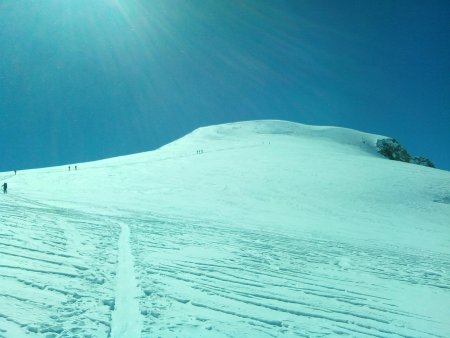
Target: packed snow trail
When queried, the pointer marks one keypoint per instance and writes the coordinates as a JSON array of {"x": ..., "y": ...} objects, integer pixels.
[{"x": 126, "y": 318}]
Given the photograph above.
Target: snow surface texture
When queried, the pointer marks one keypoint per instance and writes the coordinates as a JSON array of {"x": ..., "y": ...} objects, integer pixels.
[{"x": 253, "y": 229}]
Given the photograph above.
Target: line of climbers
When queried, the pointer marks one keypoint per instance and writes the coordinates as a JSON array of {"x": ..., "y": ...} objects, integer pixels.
[{"x": 5, "y": 185}]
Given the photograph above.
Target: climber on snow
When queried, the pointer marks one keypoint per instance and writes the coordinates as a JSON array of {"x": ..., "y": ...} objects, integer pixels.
[{"x": 5, "y": 188}]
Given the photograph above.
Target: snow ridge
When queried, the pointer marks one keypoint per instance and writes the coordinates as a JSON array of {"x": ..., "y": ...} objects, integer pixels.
[{"x": 254, "y": 229}]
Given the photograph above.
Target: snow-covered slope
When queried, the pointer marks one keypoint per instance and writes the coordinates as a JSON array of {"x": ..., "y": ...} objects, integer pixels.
[{"x": 255, "y": 229}]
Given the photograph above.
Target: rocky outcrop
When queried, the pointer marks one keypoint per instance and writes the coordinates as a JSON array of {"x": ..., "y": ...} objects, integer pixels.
[
  {"x": 422, "y": 161},
  {"x": 393, "y": 150}
]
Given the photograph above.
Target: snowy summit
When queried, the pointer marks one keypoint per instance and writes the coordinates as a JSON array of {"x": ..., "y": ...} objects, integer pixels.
[{"x": 251, "y": 229}]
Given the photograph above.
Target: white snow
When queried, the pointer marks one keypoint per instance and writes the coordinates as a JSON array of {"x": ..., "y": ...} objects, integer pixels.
[{"x": 251, "y": 229}]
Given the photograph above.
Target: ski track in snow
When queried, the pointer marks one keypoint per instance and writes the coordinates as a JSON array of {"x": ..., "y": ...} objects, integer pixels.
[
  {"x": 56, "y": 271},
  {"x": 60, "y": 278},
  {"x": 126, "y": 318},
  {"x": 208, "y": 277}
]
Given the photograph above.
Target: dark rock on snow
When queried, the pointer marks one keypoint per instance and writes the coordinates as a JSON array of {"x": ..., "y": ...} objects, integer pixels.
[
  {"x": 422, "y": 161},
  {"x": 393, "y": 150}
]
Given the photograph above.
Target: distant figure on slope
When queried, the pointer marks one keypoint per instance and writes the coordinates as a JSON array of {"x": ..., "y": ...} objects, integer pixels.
[
  {"x": 75, "y": 167},
  {"x": 5, "y": 188},
  {"x": 15, "y": 172},
  {"x": 69, "y": 167}
]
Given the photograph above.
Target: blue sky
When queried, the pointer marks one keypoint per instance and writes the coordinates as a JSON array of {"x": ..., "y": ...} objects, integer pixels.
[{"x": 82, "y": 80}]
